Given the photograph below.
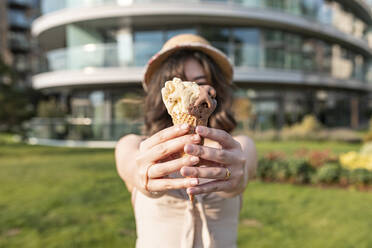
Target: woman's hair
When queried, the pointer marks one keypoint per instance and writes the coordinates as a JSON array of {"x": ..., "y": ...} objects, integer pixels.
[{"x": 156, "y": 115}]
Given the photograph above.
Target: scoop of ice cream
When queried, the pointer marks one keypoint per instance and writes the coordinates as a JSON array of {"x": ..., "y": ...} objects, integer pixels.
[
  {"x": 182, "y": 97},
  {"x": 179, "y": 95},
  {"x": 205, "y": 104}
]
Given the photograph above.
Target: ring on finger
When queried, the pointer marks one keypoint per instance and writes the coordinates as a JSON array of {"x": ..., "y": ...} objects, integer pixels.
[
  {"x": 147, "y": 178},
  {"x": 228, "y": 174}
]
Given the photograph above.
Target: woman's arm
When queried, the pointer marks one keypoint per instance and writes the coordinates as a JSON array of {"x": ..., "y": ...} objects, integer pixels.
[
  {"x": 125, "y": 155},
  {"x": 145, "y": 165}
]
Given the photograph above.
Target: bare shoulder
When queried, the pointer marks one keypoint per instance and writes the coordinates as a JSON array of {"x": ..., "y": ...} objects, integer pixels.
[
  {"x": 245, "y": 141},
  {"x": 250, "y": 151},
  {"x": 128, "y": 142}
]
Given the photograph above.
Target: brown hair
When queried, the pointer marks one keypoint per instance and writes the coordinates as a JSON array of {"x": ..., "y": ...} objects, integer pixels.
[{"x": 156, "y": 115}]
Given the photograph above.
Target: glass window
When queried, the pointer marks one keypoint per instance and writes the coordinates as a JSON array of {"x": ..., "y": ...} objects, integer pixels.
[
  {"x": 52, "y": 5},
  {"x": 146, "y": 44},
  {"x": 18, "y": 18},
  {"x": 249, "y": 3},
  {"x": 173, "y": 32},
  {"x": 218, "y": 37},
  {"x": 325, "y": 12},
  {"x": 274, "y": 48},
  {"x": 358, "y": 71},
  {"x": 246, "y": 47},
  {"x": 293, "y": 55},
  {"x": 275, "y": 4},
  {"x": 369, "y": 72},
  {"x": 311, "y": 8},
  {"x": 308, "y": 51}
]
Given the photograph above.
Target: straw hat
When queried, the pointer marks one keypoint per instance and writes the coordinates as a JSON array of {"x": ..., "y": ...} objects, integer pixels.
[{"x": 188, "y": 41}]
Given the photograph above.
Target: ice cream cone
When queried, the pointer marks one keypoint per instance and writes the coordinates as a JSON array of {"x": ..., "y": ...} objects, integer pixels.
[{"x": 187, "y": 102}]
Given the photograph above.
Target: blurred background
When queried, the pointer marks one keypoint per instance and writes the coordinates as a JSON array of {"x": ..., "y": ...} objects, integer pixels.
[
  {"x": 70, "y": 76},
  {"x": 84, "y": 60}
]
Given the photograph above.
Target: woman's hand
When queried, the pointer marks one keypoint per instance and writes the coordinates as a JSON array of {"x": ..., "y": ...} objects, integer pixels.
[
  {"x": 154, "y": 161},
  {"x": 230, "y": 157}
]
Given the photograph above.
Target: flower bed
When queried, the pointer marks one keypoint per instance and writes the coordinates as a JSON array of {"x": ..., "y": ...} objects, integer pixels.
[{"x": 317, "y": 168}]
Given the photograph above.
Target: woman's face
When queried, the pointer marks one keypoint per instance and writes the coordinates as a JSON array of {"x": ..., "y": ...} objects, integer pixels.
[{"x": 194, "y": 72}]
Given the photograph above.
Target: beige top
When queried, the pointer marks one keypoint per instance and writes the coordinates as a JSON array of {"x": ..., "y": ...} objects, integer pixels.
[{"x": 173, "y": 221}]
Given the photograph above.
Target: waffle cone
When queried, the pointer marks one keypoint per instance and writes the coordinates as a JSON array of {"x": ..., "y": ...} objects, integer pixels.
[{"x": 192, "y": 120}]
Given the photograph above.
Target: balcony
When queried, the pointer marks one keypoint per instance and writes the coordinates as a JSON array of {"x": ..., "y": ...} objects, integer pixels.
[
  {"x": 18, "y": 43},
  {"x": 18, "y": 20},
  {"x": 80, "y": 129},
  {"x": 21, "y": 3}
]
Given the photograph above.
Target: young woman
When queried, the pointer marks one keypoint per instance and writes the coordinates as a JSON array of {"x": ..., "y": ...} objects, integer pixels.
[{"x": 160, "y": 181}]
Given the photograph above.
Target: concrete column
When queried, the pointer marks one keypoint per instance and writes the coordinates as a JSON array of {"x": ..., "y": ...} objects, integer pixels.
[
  {"x": 5, "y": 54},
  {"x": 354, "y": 112},
  {"x": 125, "y": 46},
  {"x": 281, "y": 110},
  {"x": 107, "y": 116}
]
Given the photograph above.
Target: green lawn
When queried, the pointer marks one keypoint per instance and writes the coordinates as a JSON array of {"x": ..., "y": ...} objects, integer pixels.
[{"x": 61, "y": 197}]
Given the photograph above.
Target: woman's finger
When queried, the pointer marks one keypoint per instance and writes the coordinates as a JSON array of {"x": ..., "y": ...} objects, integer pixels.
[
  {"x": 166, "y": 168},
  {"x": 155, "y": 185},
  {"x": 168, "y": 147},
  {"x": 213, "y": 154},
  {"x": 221, "y": 136},
  {"x": 219, "y": 173},
  {"x": 164, "y": 135},
  {"x": 213, "y": 186}
]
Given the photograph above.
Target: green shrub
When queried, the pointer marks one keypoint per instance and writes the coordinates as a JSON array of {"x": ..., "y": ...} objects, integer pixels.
[
  {"x": 309, "y": 128},
  {"x": 344, "y": 176},
  {"x": 329, "y": 173},
  {"x": 263, "y": 169},
  {"x": 274, "y": 170},
  {"x": 280, "y": 171},
  {"x": 300, "y": 171},
  {"x": 368, "y": 136},
  {"x": 361, "y": 177},
  {"x": 366, "y": 148}
]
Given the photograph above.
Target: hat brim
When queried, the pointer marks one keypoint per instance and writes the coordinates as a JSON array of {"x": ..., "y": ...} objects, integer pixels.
[{"x": 219, "y": 57}]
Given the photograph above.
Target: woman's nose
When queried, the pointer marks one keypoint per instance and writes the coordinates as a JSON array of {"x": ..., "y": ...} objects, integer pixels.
[{"x": 211, "y": 91}]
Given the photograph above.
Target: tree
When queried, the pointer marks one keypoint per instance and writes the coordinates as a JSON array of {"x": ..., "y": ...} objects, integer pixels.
[{"x": 16, "y": 103}]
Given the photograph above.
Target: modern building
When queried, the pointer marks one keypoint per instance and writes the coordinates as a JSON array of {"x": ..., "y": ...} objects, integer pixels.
[
  {"x": 15, "y": 37},
  {"x": 291, "y": 58}
]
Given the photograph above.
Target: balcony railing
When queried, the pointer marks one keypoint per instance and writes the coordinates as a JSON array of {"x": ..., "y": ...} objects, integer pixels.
[
  {"x": 18, "y": 19},
  {"x": 242, "y": 55},
  {"x": 24, "y": 3},
  {"x": 318, "y": 11},
  {"x": 19, "y": 43},
  {"x": 99, "y": 56},
  {"x": 81, "y": 129}
]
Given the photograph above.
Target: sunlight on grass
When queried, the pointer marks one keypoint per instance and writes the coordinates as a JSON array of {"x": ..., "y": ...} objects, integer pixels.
[{"x": 62, "y": 197}]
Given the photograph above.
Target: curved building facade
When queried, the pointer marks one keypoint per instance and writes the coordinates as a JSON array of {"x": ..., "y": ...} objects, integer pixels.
[{"x": 291, "y": 58}]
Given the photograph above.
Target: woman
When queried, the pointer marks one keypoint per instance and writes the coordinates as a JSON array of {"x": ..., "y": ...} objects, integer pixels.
[{"x": 160, "y": 181}]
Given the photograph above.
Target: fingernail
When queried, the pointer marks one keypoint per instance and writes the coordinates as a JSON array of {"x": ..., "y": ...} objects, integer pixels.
[
  {"x": 200, "y": 129},
  {"x": 185, "y": 126},
  {"x": 196, "y": 137},
  {"x": 192, "y": 191},
  {"x": 194, "y": 181},
  {"x": 194, "y": 159},
  {"x": 189, "y": 148}
]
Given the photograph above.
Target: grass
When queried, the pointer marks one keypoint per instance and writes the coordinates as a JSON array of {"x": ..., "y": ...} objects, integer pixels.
[{"x": 62, "y": 197}]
